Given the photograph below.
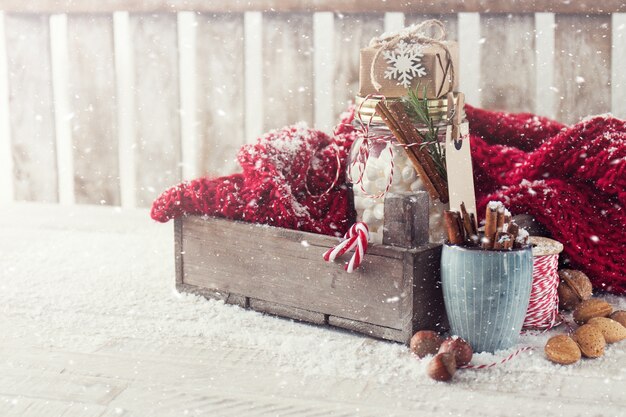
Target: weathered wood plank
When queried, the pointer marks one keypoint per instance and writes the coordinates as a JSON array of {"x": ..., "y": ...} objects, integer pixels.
[
  {"x": 59, "y": 387},
  {"x": 282, "y": 310},
  {"x": 30, "y": 108},
  {"x": 92, "y": 95},
  {"x": 352, "y": 32},
  {"x": 582, "y": 66},
  {"x": 469, "y": 57},
  {"x": 284, "y": 271},
  {"x": 157, "y": 103},
  {"x": 507, "y": 62},
  {"x": 346, "y": 6},
  {"x": 287, "y": 69},
  {"x": 369, "y": 329},
  {"x": 220, "y": 92},
  {"x": 228, "y": 298}
]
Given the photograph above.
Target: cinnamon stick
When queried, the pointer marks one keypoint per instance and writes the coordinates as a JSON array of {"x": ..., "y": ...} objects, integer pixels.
[
  {"x": 413, "y": 138},
  {"x": 491, "y": 223},
  {"x": 503, "y": 241},
  {"x": 467, "y": 221},
  {"x": 452, "y": 220},
  {"x": 513, "y": 230},
  {"x": 474, "y": 224},
  {"x": 500, "y": 220},
  {"x": 392, "y": 124}
]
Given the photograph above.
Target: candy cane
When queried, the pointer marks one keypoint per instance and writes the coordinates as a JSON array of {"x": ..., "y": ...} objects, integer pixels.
[{"x": 355, "y": 238}]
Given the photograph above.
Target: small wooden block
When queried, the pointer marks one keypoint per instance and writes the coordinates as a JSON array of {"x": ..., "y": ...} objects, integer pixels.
[
  {"x": 287, "y": 311},
  {"x": 406, "y": 219}
]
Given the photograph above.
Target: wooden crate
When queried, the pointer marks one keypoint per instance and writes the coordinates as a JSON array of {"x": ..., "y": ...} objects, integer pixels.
[{"x": 394, "y": 293}]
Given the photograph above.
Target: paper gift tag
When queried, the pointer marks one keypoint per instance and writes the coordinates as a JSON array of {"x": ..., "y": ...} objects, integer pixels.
[{"x": 459, "y": 169}]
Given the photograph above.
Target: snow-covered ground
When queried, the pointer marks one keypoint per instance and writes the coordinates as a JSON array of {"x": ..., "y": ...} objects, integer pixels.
[{"x": 91, "y": 325}]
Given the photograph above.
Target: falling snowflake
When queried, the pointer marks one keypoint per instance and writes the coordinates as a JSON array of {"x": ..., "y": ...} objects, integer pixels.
[{"x": 405, "y": 63}]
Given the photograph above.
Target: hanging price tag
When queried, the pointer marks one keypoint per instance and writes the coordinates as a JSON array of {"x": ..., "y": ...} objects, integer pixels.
[{"x": 459, "y": 158}]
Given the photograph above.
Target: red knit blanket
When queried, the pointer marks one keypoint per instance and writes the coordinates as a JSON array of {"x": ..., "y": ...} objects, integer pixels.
[{"x": 572, "y": 180}]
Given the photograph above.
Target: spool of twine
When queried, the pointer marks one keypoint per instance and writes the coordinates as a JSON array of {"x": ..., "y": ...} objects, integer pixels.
[{"x": 543, "y": 308}]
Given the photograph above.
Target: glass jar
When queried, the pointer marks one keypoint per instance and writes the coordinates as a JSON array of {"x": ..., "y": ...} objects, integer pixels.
[{"x": 374, "y": 177}]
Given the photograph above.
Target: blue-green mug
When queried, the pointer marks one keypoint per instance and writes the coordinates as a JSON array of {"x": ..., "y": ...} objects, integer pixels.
[{"x": 486, "y": 293}]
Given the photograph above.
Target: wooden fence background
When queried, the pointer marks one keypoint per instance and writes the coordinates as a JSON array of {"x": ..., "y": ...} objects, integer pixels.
[{"x": 110, "y": 102}]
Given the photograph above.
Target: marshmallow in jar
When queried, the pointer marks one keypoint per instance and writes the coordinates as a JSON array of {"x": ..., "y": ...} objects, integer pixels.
[{"x": 377, "y": 175}]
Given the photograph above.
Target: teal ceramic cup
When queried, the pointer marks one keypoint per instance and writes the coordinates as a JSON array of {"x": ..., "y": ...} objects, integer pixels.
[{"x": 486, "y": 293}]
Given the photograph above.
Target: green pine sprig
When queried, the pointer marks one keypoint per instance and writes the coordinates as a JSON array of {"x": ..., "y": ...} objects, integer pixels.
[{"x": 417, "y": 108}]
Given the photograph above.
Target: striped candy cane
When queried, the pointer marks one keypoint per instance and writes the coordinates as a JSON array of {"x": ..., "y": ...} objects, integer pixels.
[{"x": 355, "y": 238}]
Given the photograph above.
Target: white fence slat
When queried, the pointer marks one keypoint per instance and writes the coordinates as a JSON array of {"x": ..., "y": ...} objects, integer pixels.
[
  {"x": 31, "y": 113},
  {"x": 287, "y": 69},
  {"x": 92, "y": 94},
  {"x": 157, "y": 105},
  {"x": 352, "y": 32},
  {"x": 618, "y": 65},
  {"x": 62, "y": 111},
  {"x": 323, "y": 46},
  {"x": 545, "y": 94},
  {"x": 125, "y": 107},
  {"x": 221, "y": 92},
  {"x": 583, "y": 66},
  {"x": 450, "y": 21},
  {"x": 469, "y": 56},
  {"x": 507, "y": 60},
  {"x": 6, "y": 154},
  {"x": 253, "y": 41},
  {"x": 187, "y": 79},
  {"x": 394, "y": 21}
]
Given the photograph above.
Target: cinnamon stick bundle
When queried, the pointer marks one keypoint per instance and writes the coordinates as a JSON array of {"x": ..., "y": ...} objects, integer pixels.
[
  {"x": 392, "y": 124},
  {"x": 422, "y": 154},
  {"x": 400, "y": 124},
  {"x": 501, "y": 231}
]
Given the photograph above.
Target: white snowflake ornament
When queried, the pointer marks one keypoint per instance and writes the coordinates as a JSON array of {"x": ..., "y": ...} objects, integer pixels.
[{"x": 405, "y": 63}]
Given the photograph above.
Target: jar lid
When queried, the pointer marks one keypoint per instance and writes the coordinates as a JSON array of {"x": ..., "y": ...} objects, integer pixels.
[
  {"x": 545, "y": 246},
  {"x": 437, "y": 109}
]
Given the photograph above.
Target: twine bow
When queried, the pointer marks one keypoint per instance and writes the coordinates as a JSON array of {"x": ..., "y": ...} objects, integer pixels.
[{"x": 413, "y": 34}]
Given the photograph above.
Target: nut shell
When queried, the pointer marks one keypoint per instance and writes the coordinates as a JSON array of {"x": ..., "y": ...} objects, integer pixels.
[
  {"x": 442, "y": 367},
  {"x": 611, "y": 330},
  {"x": 563, "y": 350},
  {"x": 589, "y": 309},
  {"x": 425, "y": 342},
  {"x": 620, "y": 317},
  {"x": 460, "y": 348},
  {"x": 575, "y": 287},
  {"x": 590, "y": 341}
]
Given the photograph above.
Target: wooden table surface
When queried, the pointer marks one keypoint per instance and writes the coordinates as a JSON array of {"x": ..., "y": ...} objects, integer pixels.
[{"x": 91, "y": 325}]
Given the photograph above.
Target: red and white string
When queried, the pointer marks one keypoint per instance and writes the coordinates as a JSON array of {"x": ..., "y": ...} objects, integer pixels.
[
  {"x": 500, "y": 362},
  {"x": 355, "y": 238},
  {"x": 363, "y": 152},
  {"x": 543, "y": 308}
]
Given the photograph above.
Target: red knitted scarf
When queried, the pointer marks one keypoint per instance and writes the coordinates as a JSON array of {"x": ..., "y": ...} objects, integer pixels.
[{"x": 572, "y": 180}]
